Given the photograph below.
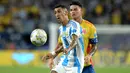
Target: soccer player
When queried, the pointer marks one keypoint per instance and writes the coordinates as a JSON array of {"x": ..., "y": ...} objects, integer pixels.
[
  {"x": 89, "y": 35},
  {"x": 70, "y": 43}
]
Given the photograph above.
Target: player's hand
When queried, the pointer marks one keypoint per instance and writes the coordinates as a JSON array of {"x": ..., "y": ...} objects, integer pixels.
[
  {"x": 51, "y": 63},
  {"x": 66, "y": 51},
  {"x": 46, "y": 57},
  {"x": 87, "y": 59}
]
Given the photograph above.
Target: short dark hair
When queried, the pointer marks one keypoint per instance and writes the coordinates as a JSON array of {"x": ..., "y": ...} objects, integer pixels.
[
  {"x": 60, "y": 6},
  {"x": 76, "y": 3}
]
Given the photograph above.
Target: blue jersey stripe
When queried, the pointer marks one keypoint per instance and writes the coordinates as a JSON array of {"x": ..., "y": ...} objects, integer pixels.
[
  {"x": 70, "y": 32},
  {"x": 78, "y": 69},
  {"x": 81, "y": 43},
  {"x": 74, "y": 25},
  {"x": 64, "y": 38},
  {"x": 65, "y": 42},
  {"x": 64, "y": 28},
  {"x": 65, "y": 62},
  {"x": 76, "y": 63}
]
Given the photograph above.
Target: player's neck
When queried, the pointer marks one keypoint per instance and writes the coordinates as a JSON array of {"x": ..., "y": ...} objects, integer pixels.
[
  {"x": 65, "y": 22},
  {"x": 79, "y": 19}
]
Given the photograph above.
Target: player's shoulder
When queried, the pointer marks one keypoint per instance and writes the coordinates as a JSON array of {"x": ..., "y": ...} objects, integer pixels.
[
  {"x": 88, "y": 23},
  {"x": 59, "y": 29},
  {"x": 74, "y": 23}
]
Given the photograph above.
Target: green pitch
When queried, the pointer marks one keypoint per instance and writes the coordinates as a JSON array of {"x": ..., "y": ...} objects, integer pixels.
[
  {"x": 112, "y": 69},
  {"x": 7, "y": 69}
]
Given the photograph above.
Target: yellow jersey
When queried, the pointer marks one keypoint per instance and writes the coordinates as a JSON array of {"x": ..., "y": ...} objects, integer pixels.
[{"x": 89, "y": 36}]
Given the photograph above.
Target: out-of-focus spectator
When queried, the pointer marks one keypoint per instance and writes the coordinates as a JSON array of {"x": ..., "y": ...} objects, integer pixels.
[
  {"x": 20, "y": 17},
  {"x": 116, "y": 16},
  {"x": 128, "y": 17}
]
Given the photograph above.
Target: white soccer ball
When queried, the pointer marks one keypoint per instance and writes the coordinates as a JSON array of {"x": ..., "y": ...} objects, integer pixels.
[{"x": 38, "y": 37}]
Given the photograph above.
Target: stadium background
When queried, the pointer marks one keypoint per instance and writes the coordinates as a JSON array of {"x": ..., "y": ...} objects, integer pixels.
[{"x": 18, "y": 18}]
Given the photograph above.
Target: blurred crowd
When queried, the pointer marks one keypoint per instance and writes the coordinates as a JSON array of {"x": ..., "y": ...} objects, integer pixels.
[
  {"x": 108, "y": 11},
  {"x": 19, "y": 17}
]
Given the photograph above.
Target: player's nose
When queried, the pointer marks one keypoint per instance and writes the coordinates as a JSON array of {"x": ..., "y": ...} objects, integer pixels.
[
  {"x": 72, "y": 12},
  {"x": 57, "y": 16}
]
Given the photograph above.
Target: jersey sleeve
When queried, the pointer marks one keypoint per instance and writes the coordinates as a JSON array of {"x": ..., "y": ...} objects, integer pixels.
[
  {"x": 75, "y": 29},
  {"x": 93, "y": 35}
]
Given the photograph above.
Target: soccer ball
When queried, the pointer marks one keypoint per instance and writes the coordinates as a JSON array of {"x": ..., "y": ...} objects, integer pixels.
[{"x": 38, "y": 37}]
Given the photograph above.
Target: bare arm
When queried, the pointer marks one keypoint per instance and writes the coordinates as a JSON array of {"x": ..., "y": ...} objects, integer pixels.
[
  {"x": 91, "y": 53},
  {"x": 93, "y": 49},
  {"x": 58, "y": 49}
]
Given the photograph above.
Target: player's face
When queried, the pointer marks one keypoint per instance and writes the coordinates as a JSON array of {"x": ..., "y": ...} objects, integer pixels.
[
  {"x": 75, "y": 11},
  {"x": 60, "y": 14}
]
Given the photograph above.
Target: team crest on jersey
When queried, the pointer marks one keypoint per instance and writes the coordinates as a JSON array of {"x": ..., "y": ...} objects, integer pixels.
[{"x": 84, "y": 31}]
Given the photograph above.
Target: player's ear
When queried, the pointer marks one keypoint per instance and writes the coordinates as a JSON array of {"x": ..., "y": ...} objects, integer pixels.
[
  {"x": 82, "y": 11},
  {"x": 66, "y": 11}
]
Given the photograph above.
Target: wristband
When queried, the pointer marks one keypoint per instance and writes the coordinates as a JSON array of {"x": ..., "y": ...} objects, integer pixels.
[{"x": 53, "y": 53}]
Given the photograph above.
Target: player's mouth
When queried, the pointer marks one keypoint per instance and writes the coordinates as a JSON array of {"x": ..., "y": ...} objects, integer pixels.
[
  {"x": 73, "y": 14},
  {"x": 58, "y": 18}
]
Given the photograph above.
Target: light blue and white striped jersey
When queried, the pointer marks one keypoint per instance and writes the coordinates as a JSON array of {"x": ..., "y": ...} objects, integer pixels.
[{"x": 75, "y": 57}]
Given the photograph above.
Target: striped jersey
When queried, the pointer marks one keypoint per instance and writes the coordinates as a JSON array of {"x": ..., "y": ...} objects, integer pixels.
[{"x": 75, "y": 57}]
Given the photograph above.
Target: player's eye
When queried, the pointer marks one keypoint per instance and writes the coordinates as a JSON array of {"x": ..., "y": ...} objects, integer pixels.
[
  {"x": 59, "y": 11},
  {"x": 71, "y": 10},
  {"x": 55, "y": 12},
  {"x": 75, "y": 9}
]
